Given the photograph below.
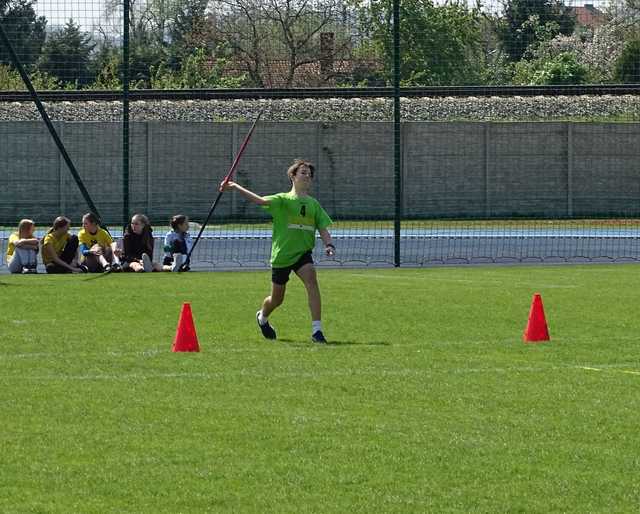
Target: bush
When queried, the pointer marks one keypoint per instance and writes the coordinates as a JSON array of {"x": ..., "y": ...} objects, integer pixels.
[
  {"x": 10, "y": 80},
  {"x": 559, "y": 70},
  {"x": 198, "y": 70}
]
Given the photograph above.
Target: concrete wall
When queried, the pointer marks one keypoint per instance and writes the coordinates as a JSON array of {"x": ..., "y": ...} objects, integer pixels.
[{"x": 449, "y": 169}]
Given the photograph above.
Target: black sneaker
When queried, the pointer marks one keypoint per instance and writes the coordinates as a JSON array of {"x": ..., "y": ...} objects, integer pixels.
[
  {"x": 267, "y": 330},
  {"x": 318, "y": 337},
  {"x": 116, "y": 268},
  {"x": 107, "y": 268}
]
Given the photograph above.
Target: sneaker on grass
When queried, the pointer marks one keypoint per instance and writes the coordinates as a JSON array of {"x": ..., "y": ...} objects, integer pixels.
[
  {"x": 267, "y": 330},
  {"x": 318, "y": 337}
]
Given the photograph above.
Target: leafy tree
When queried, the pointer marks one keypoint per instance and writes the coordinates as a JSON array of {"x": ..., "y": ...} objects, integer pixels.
[
  {"x": 517, "y": 33},
  {"x": 627, "y": 67},
  {"x": 441, "y": 44},
  {"x": 188, "y": 29},
  {"x": 66, "y": 55},
  {"x": 25, "y": 30},
  {"x": 106, "y": 67}
]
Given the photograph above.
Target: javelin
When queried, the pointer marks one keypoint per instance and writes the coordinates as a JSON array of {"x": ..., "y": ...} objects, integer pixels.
[{"x": 224, "y": 182}]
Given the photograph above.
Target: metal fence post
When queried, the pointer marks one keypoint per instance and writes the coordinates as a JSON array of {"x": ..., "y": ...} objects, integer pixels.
[
  {"x": 487, "y": 170},
  {"x": 125, "y": 114},
  {"x": 570, "y": 169},
  {"x": 397, "y": 137}
]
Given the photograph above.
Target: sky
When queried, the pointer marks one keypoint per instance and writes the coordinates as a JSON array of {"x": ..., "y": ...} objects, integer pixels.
[
  {"x": 85, "y": 12},
  {"x": 89, "y": 13}
]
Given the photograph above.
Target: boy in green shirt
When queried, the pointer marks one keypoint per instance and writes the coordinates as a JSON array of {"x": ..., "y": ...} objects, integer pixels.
[{"x": 296, "y": 217}]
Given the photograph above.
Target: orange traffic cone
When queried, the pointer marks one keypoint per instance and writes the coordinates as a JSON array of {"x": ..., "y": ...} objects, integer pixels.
[
  {"x": 536, "y": 330},
  {"x": 186, "y": 339}
]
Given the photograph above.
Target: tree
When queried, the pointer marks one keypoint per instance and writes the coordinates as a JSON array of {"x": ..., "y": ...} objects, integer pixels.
[
  {"x": 517, "y": 33},
  {"x": 441, "y": 44},
  {"x": 627, "y": 66},
  {"x": 162, "y": 33},
  {"x": 25, "y": 30},
  {"x": 66, "y": 55},
  {"x": 188, "y": 29},
  {"x": 272, "y": 40}
]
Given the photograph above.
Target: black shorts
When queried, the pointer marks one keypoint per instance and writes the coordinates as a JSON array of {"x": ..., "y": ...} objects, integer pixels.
[{"x": 280, "y": 276}]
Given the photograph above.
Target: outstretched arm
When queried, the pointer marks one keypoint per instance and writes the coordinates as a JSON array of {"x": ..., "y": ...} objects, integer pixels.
[{"x": 249, "y": 195}]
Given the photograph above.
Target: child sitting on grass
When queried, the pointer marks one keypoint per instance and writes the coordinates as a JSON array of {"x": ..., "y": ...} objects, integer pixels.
[
  {"x": 22, "y": 251},
  {"x": 177, "y": 244},
  {"x": 60, "y": 249},
  {"x": 138, "y": 246},
  {"x": 98, "y": 250}
]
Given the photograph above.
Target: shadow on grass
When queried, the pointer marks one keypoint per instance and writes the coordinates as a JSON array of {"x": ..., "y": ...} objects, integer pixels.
[
  {"x": 354, "y": 343},
  {"x": 309, "y": 343}
]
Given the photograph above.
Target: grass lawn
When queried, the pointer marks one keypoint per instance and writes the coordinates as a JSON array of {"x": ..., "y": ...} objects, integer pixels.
[{"x": 425, "y": 401}]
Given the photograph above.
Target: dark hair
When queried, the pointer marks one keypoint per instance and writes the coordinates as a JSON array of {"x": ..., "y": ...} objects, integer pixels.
[
  {"x": 146, "y": 236},
  {"x": 178, "y": 219},
  {"x": 59, "y": 222},
  {"x": 145, "y": 221},
  {"x": 296, "y": 165},
  {"x": 91, "y": 218}
]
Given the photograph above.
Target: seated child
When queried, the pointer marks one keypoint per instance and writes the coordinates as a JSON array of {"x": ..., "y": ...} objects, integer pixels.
[
  {"x": 99, "y": 252},
  {"x": 177, "y": 244},
  {"x": 138, "y": 246},
  {"x": 22, "y": 251},
  {"x": 60, "y": 249}
]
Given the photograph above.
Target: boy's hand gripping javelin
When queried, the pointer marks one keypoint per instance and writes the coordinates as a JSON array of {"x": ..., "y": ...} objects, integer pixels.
[{"x": 221, "y": 189}]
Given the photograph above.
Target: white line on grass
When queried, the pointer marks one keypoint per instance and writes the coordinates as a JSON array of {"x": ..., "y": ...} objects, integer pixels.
[
  {"x": 610, "y": 368},
  {"x": 302, "y": 374}
]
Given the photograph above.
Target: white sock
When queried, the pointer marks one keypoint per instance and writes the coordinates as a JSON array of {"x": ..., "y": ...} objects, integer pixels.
[
  {"x": 315, "y": 326},
  {"x": 262, "y": 319}
]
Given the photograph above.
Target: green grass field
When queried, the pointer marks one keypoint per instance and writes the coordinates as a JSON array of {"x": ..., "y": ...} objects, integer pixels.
[{"x": 427, "y": 400}]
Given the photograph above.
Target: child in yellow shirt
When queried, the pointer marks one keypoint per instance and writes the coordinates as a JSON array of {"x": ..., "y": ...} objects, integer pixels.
[
  {"x": 22, "y": 251},
  {"x": 99, "y": 251}
]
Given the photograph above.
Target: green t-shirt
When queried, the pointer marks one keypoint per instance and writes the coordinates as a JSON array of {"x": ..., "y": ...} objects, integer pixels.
[{"x": 295, "y": 221}]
